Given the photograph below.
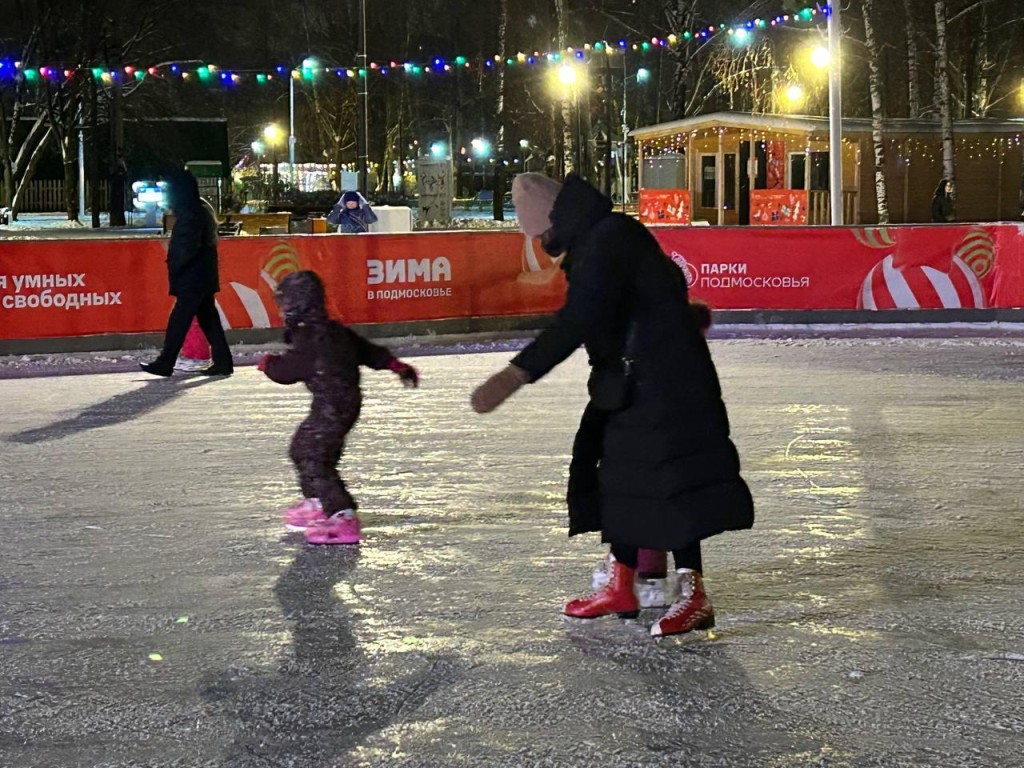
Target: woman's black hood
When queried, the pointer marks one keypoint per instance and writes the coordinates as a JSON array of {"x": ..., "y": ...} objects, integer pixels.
[
  {"x": 302, "y": 299},
  {"x": 183, "y": 192},
  {"x": 940, "y": 191},
  {"x": 578, "y": 207}
]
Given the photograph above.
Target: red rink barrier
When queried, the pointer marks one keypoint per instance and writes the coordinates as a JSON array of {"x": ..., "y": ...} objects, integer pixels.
[
  {"x": 801, "y": 268},
  {"x": 76, "y": 288}
]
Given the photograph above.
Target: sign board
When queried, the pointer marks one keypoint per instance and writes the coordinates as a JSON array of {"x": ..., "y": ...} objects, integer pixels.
[{"x": 434, "y": 182}]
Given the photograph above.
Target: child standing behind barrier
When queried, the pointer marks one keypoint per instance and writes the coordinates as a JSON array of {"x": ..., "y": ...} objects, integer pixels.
[{"x": 325, "y": 356}]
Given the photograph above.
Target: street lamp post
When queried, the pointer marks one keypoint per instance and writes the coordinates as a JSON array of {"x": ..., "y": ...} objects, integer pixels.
[
  {"x": 835, "y": 114},
  {"x": 481, "y": 150},
  {"x": 362, "y": 104},
  {"x": 258, "y": 149},
  {"x": 291, "y": 132},
  {"x": 272, "y": 134},
  {"x": 641, "y": 77},
  {"x": 625, "y": 136},
  {"x": 524, "y": 144}
]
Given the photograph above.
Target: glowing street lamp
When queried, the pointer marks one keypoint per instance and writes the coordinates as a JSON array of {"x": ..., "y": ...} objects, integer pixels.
[
  {"x": 567, "y": 75},
  {"x": 481, "y": 150},
  {"x": 437, "y": 149},
  {"x": 481, "y": 147},
  {"x": 795, "y": 94},
  {"x": 273, "y": 135},
  {"x": 820, "y": 57}
]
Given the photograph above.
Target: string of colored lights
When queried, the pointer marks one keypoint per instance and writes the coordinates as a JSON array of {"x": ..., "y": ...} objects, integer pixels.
[{"x": 740, "y": 33}]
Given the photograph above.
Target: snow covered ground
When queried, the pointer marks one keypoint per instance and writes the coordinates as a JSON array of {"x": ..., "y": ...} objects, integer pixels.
[{"x": 154, "y": 613}]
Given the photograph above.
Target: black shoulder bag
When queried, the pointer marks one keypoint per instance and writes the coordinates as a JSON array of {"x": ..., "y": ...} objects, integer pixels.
[{"x": 611, "y": 387}]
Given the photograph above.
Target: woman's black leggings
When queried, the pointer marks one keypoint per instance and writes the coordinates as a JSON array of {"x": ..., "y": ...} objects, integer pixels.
[{"x": 685, "y": 558}]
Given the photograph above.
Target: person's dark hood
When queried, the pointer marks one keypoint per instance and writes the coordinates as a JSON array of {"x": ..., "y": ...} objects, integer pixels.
[
  {"x": 578, "y": 207},
  {"x": 183, "y": 192},
  {"x": 302, "y": 299},
  {"x": 940, "y": 191}
]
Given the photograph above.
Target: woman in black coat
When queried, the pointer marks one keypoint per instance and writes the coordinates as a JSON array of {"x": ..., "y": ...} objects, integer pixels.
[
  {"x": 193, "y": 278},
  {"x": 668, "y": 475},
  {"x": 942, "y": 203}
]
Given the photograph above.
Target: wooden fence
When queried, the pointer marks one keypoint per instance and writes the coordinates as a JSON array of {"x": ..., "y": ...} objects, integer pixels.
[
  {"x": 47, "y": 196},
  {"x": 820, "y": 211}
]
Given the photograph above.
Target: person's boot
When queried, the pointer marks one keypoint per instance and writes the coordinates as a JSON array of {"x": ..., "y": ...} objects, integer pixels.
[
  {"x": 218, "y": 369},
  {"x": 692, "y": 610},
  {"x": 618, "y": 597},
  {"x": 159, "y": 367}
]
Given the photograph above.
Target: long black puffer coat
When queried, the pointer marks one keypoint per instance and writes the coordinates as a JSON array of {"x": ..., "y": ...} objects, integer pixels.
[
  {"x": 192, "y": 253},
  {"x": 669, "y": 474}
]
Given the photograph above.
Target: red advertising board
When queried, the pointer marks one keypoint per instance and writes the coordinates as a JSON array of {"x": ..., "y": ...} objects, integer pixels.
[
  {"x": 778, "y": 207},
  {"x": 77, "y": 288},
  {"x": 664, "y": 206},
  {"x": 909, "y": 267}
]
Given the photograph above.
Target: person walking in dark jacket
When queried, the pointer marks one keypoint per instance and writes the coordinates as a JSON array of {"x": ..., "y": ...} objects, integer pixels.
[
  {"x": 669, "y": 474},
  {"x": 325, "y": 355},
  {"x": 193, "y": 279},
  {"x": 942, "y": 203}
]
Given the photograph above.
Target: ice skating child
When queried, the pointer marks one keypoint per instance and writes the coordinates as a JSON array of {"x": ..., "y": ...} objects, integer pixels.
[
  {"x": 326, "y": 356},
  {"x": 652, "y": 564}
]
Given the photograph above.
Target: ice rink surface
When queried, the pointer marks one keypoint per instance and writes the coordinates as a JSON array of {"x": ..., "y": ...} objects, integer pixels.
[{"x": 154, "y": 613}]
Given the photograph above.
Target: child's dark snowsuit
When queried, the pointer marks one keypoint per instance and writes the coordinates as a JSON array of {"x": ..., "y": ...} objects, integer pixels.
[{"x": 326, "y": 356}]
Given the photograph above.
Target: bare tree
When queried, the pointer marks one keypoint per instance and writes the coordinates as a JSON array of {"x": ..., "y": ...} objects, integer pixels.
[
  {"x": 913, "y": 67},
  {"x": 943, "y": 95},
  {"x": 21, "y": 148},
  {"x": 681, "y": 15},
  {"x": 748, "y": 80},
  {"x": 877, "y": 114}
]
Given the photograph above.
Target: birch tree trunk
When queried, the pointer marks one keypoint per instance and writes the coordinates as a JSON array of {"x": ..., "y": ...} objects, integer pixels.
[
  {"x": 943, "y": 93},
  {"x": 562, "y": 17},
  {"x": 913, "y": 71},
  {"x": 875, "y": 86},
  {"x": 498, "y": 204}
]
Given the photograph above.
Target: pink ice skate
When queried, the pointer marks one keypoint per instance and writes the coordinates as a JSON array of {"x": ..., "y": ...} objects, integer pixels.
[
  {"x": 302, "y": 514},
  {"x": 340, "y": 528}
]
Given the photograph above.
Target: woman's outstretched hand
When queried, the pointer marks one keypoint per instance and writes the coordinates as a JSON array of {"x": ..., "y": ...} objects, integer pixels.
[{"x": 497, "y": 389}]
